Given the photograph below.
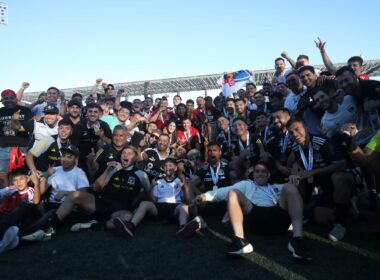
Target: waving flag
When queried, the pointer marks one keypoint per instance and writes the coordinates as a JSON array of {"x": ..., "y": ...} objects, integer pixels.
[{"x": 232, "y": 82}]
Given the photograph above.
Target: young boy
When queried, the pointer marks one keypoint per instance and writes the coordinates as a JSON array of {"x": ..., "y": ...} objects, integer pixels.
[
  {"x": 20, "y": 192},
  {"x": 168, "y": 195}
]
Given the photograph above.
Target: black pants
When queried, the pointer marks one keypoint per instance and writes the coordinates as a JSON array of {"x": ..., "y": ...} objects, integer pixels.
[{"x": 25, "y": 217}]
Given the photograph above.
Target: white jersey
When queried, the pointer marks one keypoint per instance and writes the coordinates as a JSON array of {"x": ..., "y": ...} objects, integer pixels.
[
  {"x": 43, "y": 131},
  {"x": 262, "y": 196},
  {"x": 168, "y": 191},
  {"x": 61, "y": 180}
]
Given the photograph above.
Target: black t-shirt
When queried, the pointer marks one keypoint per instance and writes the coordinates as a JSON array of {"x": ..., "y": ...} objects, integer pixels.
[
  {"x": 89, "y": 139},
  {"x": 254, "y": 146},
  {"x": 369, "y": 89},
  {"x": 324, "y": 152},
  {"x": 275, "y": 146},
  {"x": 52, "y": 156},
  {"x": 78, "y": 130},
  {"x": 8, "y": 136},
  {"x": 205, "y": 175},
  {"x": 105, "y": 155},
  {"x": 152, "y": 166},
  {"x": 125, "y": 185},
  {"x": 227, "y": 142}
]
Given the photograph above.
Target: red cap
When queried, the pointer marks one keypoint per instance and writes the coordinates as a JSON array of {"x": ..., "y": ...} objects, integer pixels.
[{"x": 8, "y": 92}]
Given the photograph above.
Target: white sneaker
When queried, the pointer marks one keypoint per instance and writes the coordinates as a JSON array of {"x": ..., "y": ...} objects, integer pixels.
[
  {"x": 10, "y": 239},
  {"x": 39, "y": 235},
  {"x": 337, "y": 233},
  {"x": 83, "y": 226}
]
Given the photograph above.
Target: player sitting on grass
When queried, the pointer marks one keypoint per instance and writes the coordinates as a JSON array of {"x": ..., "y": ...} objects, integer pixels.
[
  {"x": 263, "y": 208},
  {"x": 168, "y": 196}
]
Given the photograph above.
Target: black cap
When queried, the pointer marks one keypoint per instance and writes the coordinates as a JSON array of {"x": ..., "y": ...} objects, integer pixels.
[
  {"x": 50, "y": 110},
  {"x": 71, "y": 149},
  {"x": 75, "y": 102}
]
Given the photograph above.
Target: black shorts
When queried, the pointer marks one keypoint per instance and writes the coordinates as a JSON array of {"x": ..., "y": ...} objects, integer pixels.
[
  {"x": 267, "y": 220},
  {"x": 106, "y": 206},
  {"x": 166, "y": 210},
  {"x": 215, "y": 209}
]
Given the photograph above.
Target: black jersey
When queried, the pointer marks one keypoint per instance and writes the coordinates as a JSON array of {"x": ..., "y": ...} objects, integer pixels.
[
  {"x": 208, "y": 176},
  {"x": 152, "y": 166},
  {"x": 125, "y": 185},
  {"x": 324, "y": 152},
  {"x": 254, "y": 146}
]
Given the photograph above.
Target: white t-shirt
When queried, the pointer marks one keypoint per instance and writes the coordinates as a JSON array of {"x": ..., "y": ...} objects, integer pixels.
[
  {"x": 168, "y": 191},
  {"x": 292, "y": 100},
  {"x": 61, "y": 180},
  {"x": 348, "y": 112},
  {"x": 263, "y": 196}
]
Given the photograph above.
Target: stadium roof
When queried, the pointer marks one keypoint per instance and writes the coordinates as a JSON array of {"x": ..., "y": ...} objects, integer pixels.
[{"x": 194, "y": 83}]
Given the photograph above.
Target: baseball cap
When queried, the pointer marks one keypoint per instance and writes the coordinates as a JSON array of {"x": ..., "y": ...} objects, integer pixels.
[
  {"x": 50, "y": 110},
  {"x": 8, "y": 92},
  {"x": 71, "y": 149},
  {"x": 76, "y": 102}
]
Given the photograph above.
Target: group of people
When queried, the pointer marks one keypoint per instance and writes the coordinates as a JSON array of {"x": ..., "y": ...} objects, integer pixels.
[{"x": 301, "y": 148}]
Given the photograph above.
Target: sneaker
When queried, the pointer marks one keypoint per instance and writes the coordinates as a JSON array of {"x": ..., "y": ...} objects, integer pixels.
[
  {"x": 337, "y": 233},
  {"x": 239, "y": 246},
  {"x": 51, "y": 231},
  {"x": 83, "y": 226},
  {"x": 190, "y": 228},
  {"x": 39, "y": 235},
  {"x": 125, "y": 228},
  {"x": 10, "y": 239},
  {"x": 297, "y": 247}
]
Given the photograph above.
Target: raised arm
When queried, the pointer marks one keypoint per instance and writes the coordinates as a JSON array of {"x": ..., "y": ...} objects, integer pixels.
[
  {"x": 95, "y": 87},
  {"x": 20, "y": 93},
  {"x": 289, "y": 59},
  {"x": 326, "y": 59}
]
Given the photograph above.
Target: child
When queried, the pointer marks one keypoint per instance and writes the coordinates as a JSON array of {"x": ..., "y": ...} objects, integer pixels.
[
  {"x": 20, "y": 192},
  {"x": 168, "y": 196}
]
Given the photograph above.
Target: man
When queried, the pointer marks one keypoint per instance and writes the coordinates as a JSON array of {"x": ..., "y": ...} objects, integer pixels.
[
  {"x": 226, "y": 137},
  {"x": 263, "y": 208},
  {"x": 53, "y": 94},
  {"x": 279, "y": 145},
  {"x": 242, "y": 111},
  {"x": 297, "y": 88},
  {"x": 97, "y": 163},
  {"x": 247, "y": 146},
  {"x": 305, "y": 105},
  {"x": 280, "y": 73},
  {"x": 45, "y": 153},
  {"x": 162, "y": 115},
  {"x": 95, "y": 131},
  {"x": 366, "y": 93},
  {"x": 190, "y": 108},
  {"x": 153, "y": 158},
  {"x": 12, "y": 142},
  {"x": 355, "y": 62},
  {"x": 122, "y": 118},
  {"x": 44, "y": 129},
  {"x": 335, "y": 115},
  {"x": 176, "y": 100},
  {"x": 276, "y": 99},
  {"x": 316, "y": 162},
  {"x": 261, "y": 128},
  {"x": 214, "y": 175},
  {"x": 74, "y": 108}
]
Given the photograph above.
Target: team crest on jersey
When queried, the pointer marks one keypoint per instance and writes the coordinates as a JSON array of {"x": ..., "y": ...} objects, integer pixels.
[{"x": 131, "y": 180}]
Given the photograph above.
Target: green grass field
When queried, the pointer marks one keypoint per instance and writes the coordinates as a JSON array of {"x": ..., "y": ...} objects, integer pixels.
[{"x": 155, "y": 253}]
